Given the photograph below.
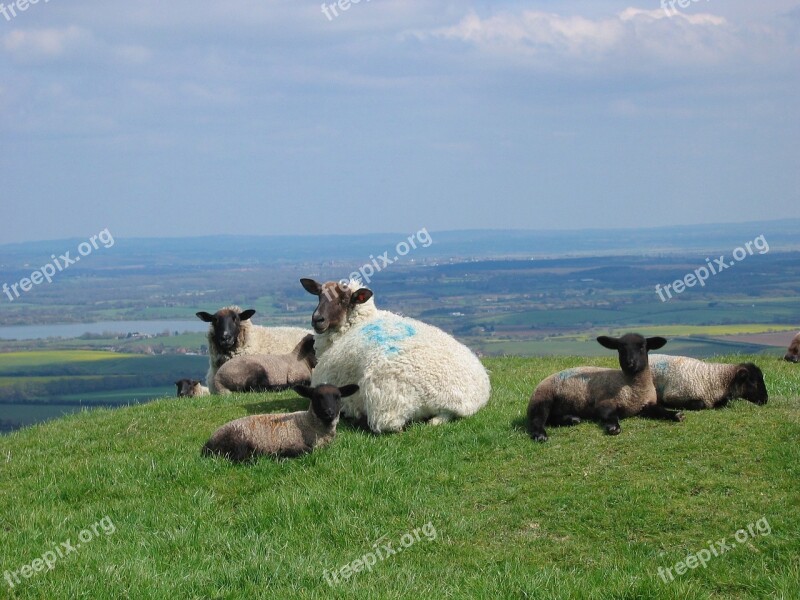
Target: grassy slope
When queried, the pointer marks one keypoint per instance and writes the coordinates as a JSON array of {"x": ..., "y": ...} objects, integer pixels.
[{"x": 585, "y": 515}]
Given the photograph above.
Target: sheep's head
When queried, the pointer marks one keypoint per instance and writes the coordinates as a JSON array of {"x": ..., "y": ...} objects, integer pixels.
[
  {"x": 749, "y": 384},
  {"x": 335, "y": 300},
  {"x": 326, "y": 400},
  {"x": 633, "y": 349},
  {"x": 226, "y": 324},
  {"x": 791, "y": 357},
  {"x": 186, "y": 387}
]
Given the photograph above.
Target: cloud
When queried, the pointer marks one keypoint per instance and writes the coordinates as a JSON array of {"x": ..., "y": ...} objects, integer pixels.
[
  {"x": 632, "y": 39},
  {"x": 32, "y": 44}
]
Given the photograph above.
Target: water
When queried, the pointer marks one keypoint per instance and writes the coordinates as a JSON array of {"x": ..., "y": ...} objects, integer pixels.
[{"x": 74, "y": 330}]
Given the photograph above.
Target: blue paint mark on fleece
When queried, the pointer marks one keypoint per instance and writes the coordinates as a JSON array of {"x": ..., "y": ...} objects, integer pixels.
[
  {"x": 387, "y": 335},
  {"x": 569, "y": 373}
]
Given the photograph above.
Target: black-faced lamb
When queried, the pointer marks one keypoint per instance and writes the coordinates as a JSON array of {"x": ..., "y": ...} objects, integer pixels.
[
  {"x": 283, "y": 435},
  {"x": 407, "y": 370},
  {"x": 683, "y": 382},
  {"x": 190, "y": 388},
  {"x": 230, "y": 333},
  {"x": 267, "y": 372},
  {"x": 607, "y": 395},
  {"x": 793, "y": 353}
]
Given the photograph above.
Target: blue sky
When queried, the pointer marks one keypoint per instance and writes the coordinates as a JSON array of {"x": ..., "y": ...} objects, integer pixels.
[{"x": 256, "y": 116}]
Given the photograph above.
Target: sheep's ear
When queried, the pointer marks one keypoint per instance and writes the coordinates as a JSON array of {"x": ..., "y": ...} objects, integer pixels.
[
  {"x": 654, "y": 343},
  {"x": 361, "y": 296},
  {"x": 204, "y": 316},
  {"x": 348, "y": 390},
  {"x": 304, "y": 390},
  {"x": 178, "y": 383},
  {"x": 608, "y": 342},
  {"x": 195, "y": 382},
  {"x": 311, "y": 286},
  {"x": 246, "y": 314},
  {"x": 742, "y": 375}
]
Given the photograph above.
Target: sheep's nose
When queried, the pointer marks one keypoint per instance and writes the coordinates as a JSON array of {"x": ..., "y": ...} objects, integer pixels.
[{"x": 317, "y": 320}]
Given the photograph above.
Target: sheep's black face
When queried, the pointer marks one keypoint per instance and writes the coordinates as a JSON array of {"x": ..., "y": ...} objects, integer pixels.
[
  {"x": 632, "y": 349},
  {"x": 227, "y": 324},
  {"x": 326, "y": 400},
  {"x": 335, "y": 299},
  {"x": 792, "y": 358},
  {"x": 185, "y": 387},
  {"x": 750, "y": 384}
]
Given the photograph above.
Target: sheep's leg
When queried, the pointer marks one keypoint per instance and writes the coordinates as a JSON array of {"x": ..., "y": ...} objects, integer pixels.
[
  {"x": 566, "y": 420},
  {"x": 695, "y": 405},
  {"x": 538, "y": 412},
  {"x": 657, "y": 411},
  {"x": 440, "y": 418},
  {"x": 609, "y": 418}
]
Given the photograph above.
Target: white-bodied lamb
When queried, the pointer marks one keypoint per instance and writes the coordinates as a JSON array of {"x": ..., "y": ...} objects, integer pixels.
[
  {"x": 607, "y": 395},
  {"x": 231, "y": 333},
  {"x": 407, "y": 370},
  {"x": 190, "y": 388},
  {"x": 284, "y": 435},
  {"x": 267, "y": 372},
  {"x": 684, "y": 382}
]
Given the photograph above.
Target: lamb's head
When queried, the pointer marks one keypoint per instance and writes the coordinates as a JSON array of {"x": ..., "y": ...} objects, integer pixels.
[
  {"x": 793, "y": 353},
  {"x": 226, "y": 325},
  {"x": 336, "y": 300},
  {"x": 186, "y": 387},
  {"x": 326, "y": 399},
  {"x": 748, "y": 383},
  {"x": 633, "y": 349},
  {"x": 304, "y": 351}
]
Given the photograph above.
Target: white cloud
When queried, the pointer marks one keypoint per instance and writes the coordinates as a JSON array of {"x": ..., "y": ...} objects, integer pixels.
[{"x": 45, "y": 43}]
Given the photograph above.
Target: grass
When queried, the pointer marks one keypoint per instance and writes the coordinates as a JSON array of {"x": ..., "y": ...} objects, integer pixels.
[{"x": 582, "y": 516}]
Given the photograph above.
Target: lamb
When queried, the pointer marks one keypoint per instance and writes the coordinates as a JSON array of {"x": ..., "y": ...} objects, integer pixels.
[
  {"x": 231, "y": 333},
  {"x": 683, "y": 382},
  {"x": 283, "y": 435},
  {"x": 189, "y": 388},
  {"x": 793, "y": 353},
  {"x": 267, "y": 372},
  {"x": 596, "y": 393},
  {"x": 406, "y": 370}
]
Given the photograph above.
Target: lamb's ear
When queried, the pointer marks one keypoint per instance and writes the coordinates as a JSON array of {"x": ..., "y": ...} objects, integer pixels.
[
  {"x": 348, "y": 390},
  {"x": 178, "y": 384},
  {"x": 304, "y": 390},
  {"x": 361, "y": 296},
  {"x": 654, "y": 343},
  {"x": 246, "y": 314},
  {"x": 195, "y": 382},
  {"x": 608, "y": 342},
  {"x": 742, "y": 374},
  {"x": 204, "y": 316},
  {"x": 311, "y": 286}
]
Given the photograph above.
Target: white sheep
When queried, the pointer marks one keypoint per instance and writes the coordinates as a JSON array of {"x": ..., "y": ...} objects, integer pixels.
[
  {"x": 283, "y": 435},
  {"x": 406, "y": 370},
  {"x": 603, "y": 394},
  {"x": 231, "y": 333},
  {"x": 190, "y": 388},
  {"x": 684, "y": 382},
  {"x": 267, "y": 372}
]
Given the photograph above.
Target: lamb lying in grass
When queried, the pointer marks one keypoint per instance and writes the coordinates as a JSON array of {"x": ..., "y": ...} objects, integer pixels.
[
  {"x": 189, "y": 388},
  {"x": 793, "y": 353},
  {"x": 283, "y": 435},
  {"x": 683, "y": 382},
  {"x": 603, "y": 394},
  {"x": 266, "y": 372}
]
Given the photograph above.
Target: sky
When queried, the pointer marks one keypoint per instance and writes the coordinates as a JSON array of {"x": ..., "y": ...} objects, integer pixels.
[{"x": 186, "y": 118}]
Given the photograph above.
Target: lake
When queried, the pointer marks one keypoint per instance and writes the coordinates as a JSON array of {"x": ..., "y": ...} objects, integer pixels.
[{"x": 74, "y": 330}]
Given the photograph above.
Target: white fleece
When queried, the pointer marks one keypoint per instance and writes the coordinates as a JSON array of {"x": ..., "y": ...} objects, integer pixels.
[
  {"x": 680, "y": 378},
  {"x": 407, "y": 370}
]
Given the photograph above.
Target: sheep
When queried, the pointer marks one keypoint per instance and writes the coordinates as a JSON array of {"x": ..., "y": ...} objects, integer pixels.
[
  {"x": 603, "y": 394},
  {"x": 230, "y": 334},
  {"x": 683, "y": 382},
  {"x": 283, "y": 435},
  {"x": 189, "y": 388},
  {"x": 407, "y": 370},
  {"x": 793, "y": 353},
  {"x": 267, "y": 372}
]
